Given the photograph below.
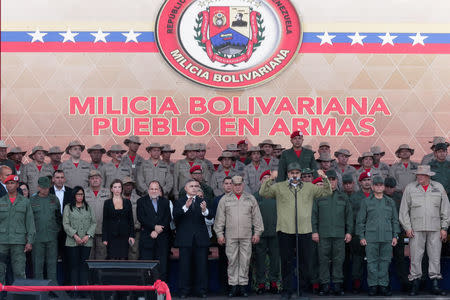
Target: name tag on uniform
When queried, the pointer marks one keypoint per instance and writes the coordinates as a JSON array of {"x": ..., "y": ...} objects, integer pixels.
[{"x": 435, "y": 191}]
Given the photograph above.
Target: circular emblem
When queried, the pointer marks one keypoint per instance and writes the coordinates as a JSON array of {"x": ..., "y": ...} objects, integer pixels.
[{"x": 228, "y": 43}]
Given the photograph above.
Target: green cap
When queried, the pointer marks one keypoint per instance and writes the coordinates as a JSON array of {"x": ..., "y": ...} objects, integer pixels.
[
  {"x": 44, "y": 182},
  {"x": 377, "y": 180},
  {"x": 331, "y": 173},
  {"x": 390, "y": 182},
  {"x": 307, "y": 171},
  {"x": 347, "y": 178},
  {"x": 294, "y": 166}
]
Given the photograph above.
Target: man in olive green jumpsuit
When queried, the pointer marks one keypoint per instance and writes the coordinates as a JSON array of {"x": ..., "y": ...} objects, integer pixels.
[
  {"x": 357, "y": 251},
  {"x": 377, "y": 227},
  {"x": 332, "y": 225},
  {"x": 16, "y": 229},
  {"x": 48, "y": 220},
  {"x": 268, "y": 244}
]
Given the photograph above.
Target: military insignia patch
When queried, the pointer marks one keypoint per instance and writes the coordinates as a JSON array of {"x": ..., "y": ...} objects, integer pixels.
[{"x": 228, "y": 44}]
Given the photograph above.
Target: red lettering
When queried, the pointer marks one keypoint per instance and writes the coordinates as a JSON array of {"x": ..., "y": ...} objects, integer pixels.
[
  {"x": 226, "y": 125},
  {"x": 77, "y": 107},
  {"x": 244, "y": 127},
  {"x": 367, "y": 124},
  {"x": 353, "y": 104},
  {"x": 348, "y": 127},
  {"x": 279, "y": 126},
  {"x": 285, "y": 105},
  {"x": 306, "y": 103},
  {"x": 115, "y": 127},
  {"x": 334, "y": 105},
  {"x": 329, "y": 128},
  {"x": 379, "y": 106},
  {"x": 99, "y": 124},
  {"x": 168, "y": 106},
  {"x": 265, "y": 109},
  {"x": 190, "y": 124},
  {"x": 300, "y": 124},
  {"x": 197, "y": 105},
  {"x": 222, "y": 101},
  {"x": 133, "y": 106},
  {"x": 141, "y": 126},
  {"x": 160, "y": 126}
]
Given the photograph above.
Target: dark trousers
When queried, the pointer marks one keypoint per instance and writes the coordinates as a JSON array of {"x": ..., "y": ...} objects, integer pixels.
[
  {"x": 159, "y": 251},
  {"x": 196, "y": 257},
  {"x": 223, "y": 269},
  {"x": 308, "y": 264},
  {"x": 401, "y": 265},
  {"x": 78, "y": 268}
]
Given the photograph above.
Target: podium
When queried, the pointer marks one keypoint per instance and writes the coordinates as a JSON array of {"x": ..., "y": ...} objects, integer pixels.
[{"x": 122, "y": 272}]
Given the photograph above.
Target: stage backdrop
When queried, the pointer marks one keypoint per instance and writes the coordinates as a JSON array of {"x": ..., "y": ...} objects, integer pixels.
[{"x": 367, "y": 73}]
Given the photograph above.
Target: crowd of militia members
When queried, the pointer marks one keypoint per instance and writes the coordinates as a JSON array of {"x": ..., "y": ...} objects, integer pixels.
[{"x": 136, "y": 208}]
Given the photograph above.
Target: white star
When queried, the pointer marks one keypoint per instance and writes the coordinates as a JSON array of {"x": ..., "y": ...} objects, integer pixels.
[
  {"x": 37, "y": 36},
  {"x": 131, "y": 36},
  {"x": 418, "y": 39},
  {"x": 100, "y": 36},
  {"x": 326, "y": 38},
  {"x": 387, "y": 39},
  {"x": 69, "y": 36},
  {"x": 357, "y": 39}
]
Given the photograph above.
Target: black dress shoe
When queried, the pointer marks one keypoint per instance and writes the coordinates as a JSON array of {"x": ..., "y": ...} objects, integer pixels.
[
  {"x": 435, "y": 289},
  {"x": 415, "y": 286},
  {"x": 243, "y": 290},
  {"x": 324, "y": 289},
  {"x": 233, "y": 291},
  {"x": 338, "y": 290},
  {"x": 385, "y": 291},
  {"x": 372, "y": 291}
]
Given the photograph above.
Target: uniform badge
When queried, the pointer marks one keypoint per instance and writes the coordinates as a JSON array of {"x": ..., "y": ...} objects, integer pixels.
[{"x": 228, "y": 44}]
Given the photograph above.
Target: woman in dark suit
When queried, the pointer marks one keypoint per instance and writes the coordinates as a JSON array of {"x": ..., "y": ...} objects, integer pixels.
[
  {"x": 118, "y": 224},
  {"x": 153, "y": 212}
]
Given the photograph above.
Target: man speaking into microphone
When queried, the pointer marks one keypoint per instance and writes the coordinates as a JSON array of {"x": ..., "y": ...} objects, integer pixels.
[{"x": 285, "y": 193}]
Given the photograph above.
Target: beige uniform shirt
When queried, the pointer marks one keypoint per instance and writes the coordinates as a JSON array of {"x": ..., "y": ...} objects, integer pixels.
[
  {"x": 110, "y": 172},
  {"x": 135, "y": 166},
  {"x": 181, "y": 173},
  {"x": 238, "y": 167},
  {"x": 217, "y": 181},
  {"x": 402, "y": 175},
  {"x": 133, "y": 199},
  {"x": 424, "y": 211},
  {"x": 272, "y": 165},
  {"x": 76, "y": 175},
  {"x": 97, "y": 167},
  {"x": 251, "y": 176},
  {"x": 383, "y": 169},
  {"x": 149, "y": 172},
  {"x": 237, "y": 217},
  {"x": 96, "y": 203},
  {"x": 30, "y": 175}
]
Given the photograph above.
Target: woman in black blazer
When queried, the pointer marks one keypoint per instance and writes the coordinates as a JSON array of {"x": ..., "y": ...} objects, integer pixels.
[
  {"x": 118, "y": 223},
  {"x": 155, "y": 227}
]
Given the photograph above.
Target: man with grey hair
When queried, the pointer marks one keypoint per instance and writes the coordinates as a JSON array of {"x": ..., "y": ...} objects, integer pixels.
[
  {"x": 424, "y": 214},
  {"x": 237, "y": 213}
]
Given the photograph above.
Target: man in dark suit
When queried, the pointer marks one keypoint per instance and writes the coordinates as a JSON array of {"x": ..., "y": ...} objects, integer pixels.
[
  {"x": 153, "y": 212},
  {"x": 192, "y": 238},
  {"x": 63, "y": 193}
]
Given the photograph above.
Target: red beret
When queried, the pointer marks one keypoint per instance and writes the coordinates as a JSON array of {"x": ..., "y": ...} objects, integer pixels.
[
  {"x": 318, "y": 179},
  {"x": 364, "y": 175},
  {"x": 11, "y": 178},
  {"x": 242, "y": 142},
  {"x": 195, "y": 168},
  {"x": 267, "y": 172},
  {"x": 296, "y": 133}
]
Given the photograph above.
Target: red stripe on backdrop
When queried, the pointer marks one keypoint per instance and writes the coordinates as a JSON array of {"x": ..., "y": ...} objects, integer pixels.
[
  {"x": 151, "y": 47},
  {"x": 78, "y": 47}
]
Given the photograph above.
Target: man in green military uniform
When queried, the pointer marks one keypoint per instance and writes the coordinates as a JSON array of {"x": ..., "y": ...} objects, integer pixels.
[
  {"x": 16, "y": 229},
  {"x": 332, "y": 225},
  {"x": 268, "y": 244},
  {"x": 377, "y": 227},
  {"x": 298, "y": 154},
  {"x": 441, "y": 166},
  {"x": 284, "y": 192},
  {"x": 401, "y": 265},
  {"x": 357, "y": 251},
  {"x": 48, "y": 221}
]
